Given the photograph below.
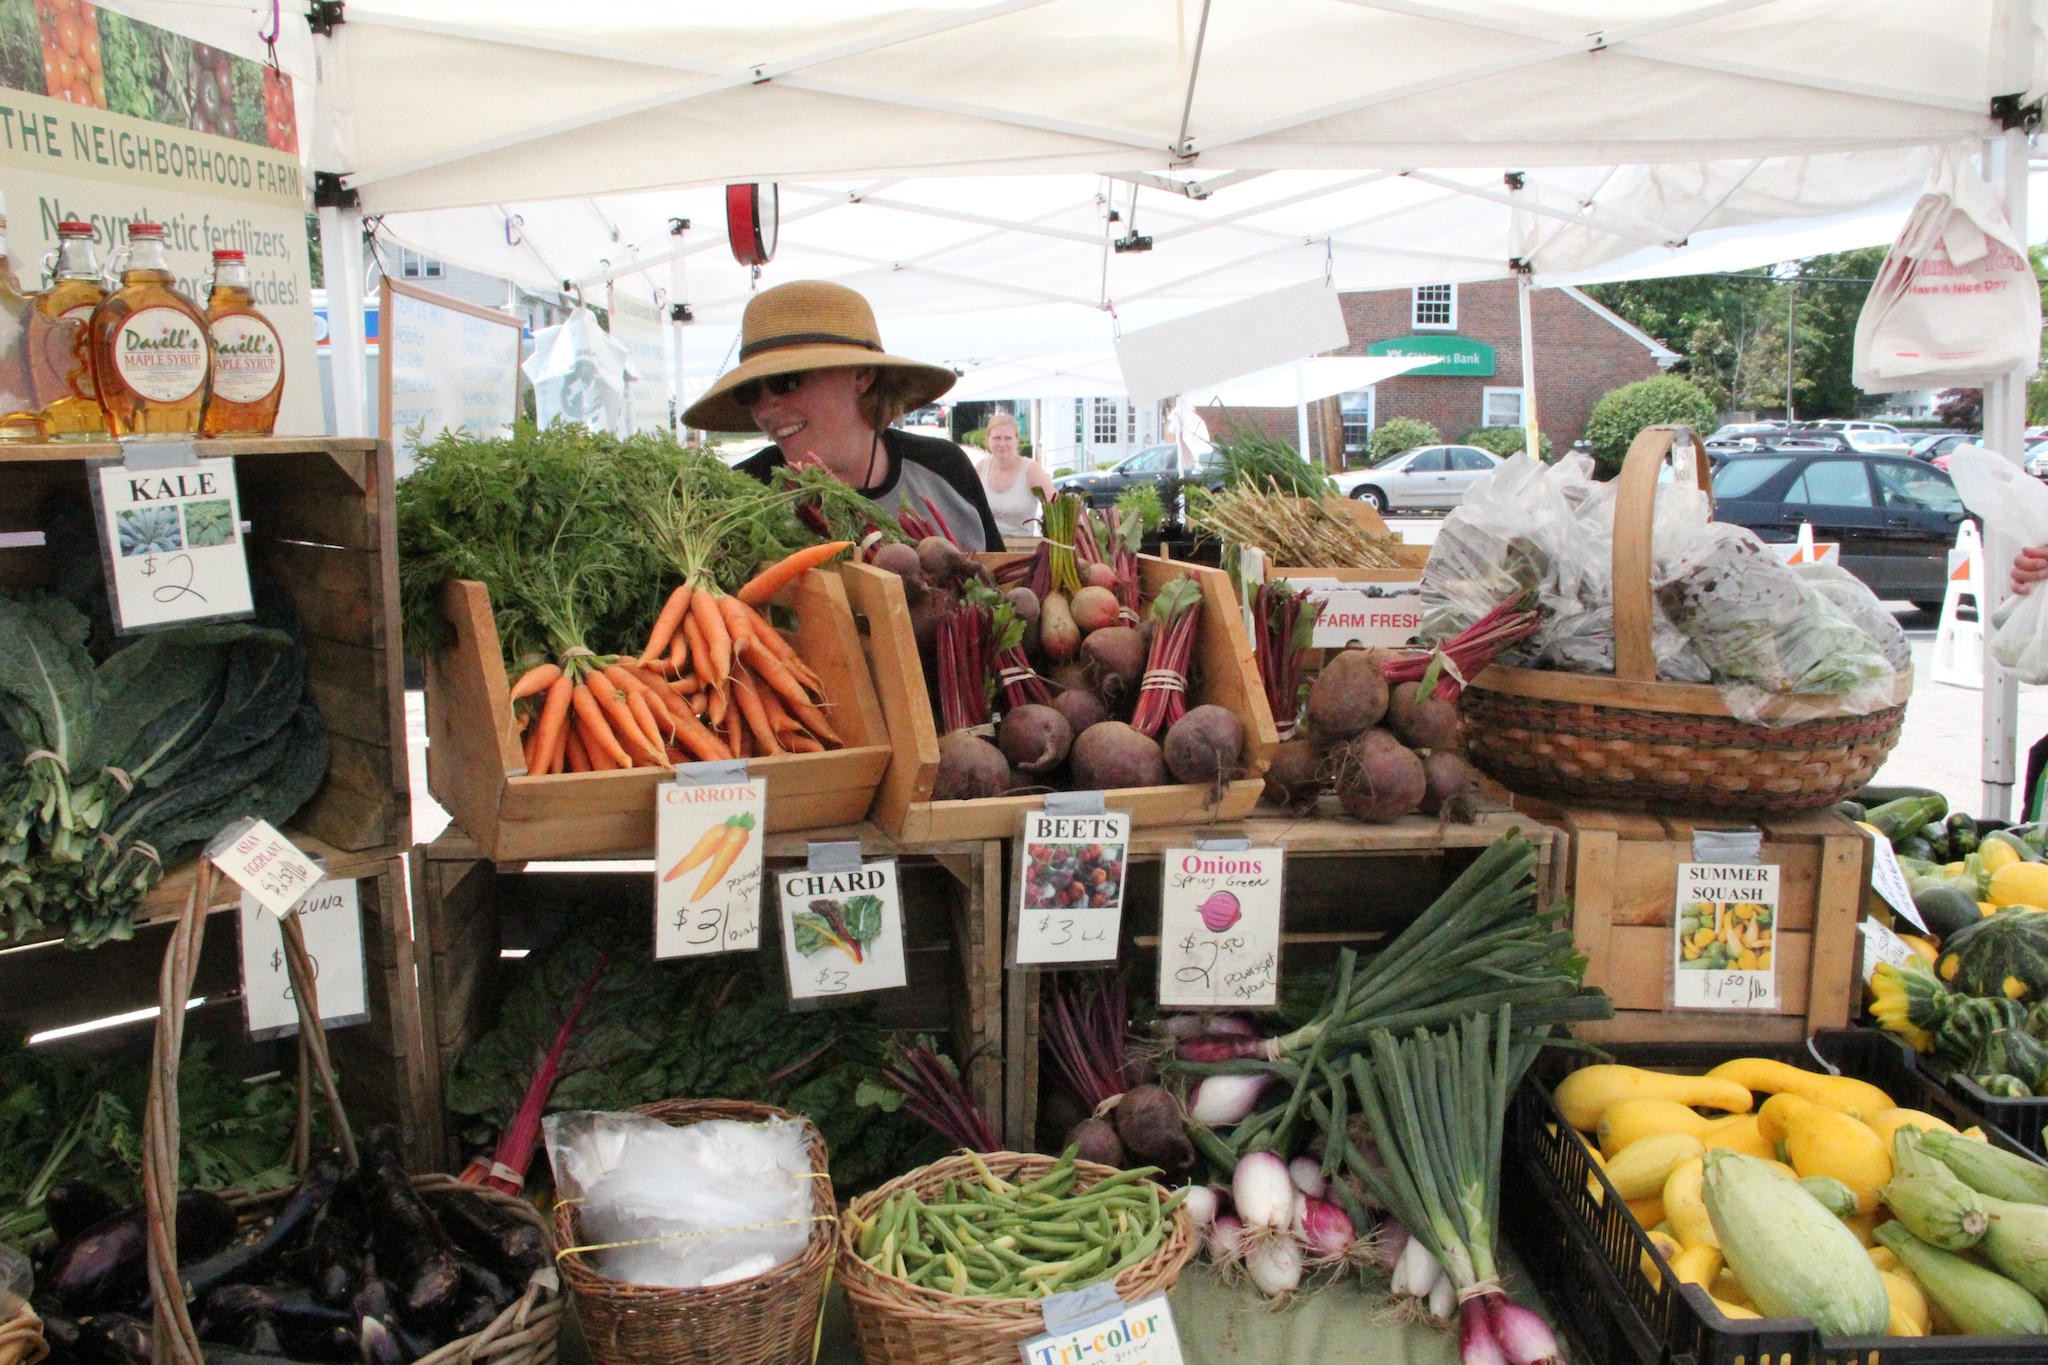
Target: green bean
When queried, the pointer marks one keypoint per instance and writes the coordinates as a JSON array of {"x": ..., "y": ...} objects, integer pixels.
[{"x": 1085, "y": 1264}]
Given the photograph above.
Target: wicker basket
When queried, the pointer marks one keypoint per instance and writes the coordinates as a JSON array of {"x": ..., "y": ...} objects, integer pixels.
[
  {"x": 896, "y": 1322},
  {"x": 21, "y": 1339},
  {"x": 1630, "y": 740},
  {"x": 526, "y": 1331},
  {"x": 771, "y": 1319}
]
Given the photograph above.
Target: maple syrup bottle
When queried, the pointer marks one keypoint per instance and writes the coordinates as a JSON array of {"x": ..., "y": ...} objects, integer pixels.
[
  {"x": 248, "y": 357},
  {"x": 60, "y": 361},
  {"x": 17, "y": 401},
  {"x": 150, "y": 357}
]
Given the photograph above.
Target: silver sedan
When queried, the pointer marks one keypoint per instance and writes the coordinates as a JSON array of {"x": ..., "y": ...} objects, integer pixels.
[{"x": 1433, "y": 477}]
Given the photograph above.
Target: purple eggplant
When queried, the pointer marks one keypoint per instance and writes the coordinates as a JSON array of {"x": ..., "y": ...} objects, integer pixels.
[
  {"x": 105, "y": 1266},
  {"x": 410, "y": 1244},
  {"x": 380, "y": 1347},
  {"x": 60, "y": 1331},
  {"x": 113, "y": 1339},
  {"x": 244, "y": 1259},
  {"x": 73, "y": 1206},
  {"x": 504, "y": 1243},
  {"x": 331, "y": 1258},
  {"x": 373, "y": 1297}
]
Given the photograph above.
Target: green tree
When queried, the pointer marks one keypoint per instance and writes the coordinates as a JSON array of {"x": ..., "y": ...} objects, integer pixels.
[
  {"x": 1504, "y": 440},
  {"x": 1621, "y": 414},
  {"x": 1398, "y": 434}
]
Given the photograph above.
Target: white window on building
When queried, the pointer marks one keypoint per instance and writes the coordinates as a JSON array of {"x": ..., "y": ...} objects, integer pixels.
[
  {"x": 413, "y": 266},
  {"x": 1435, "y": 306},
  {"x": 1106, "y": 423},
  {"x": 1356, "y": 407},
  {"x": 1500, "y": 408},
  {"x": 1130, "y": 424},
  {"x": 1080, "y": 420}
]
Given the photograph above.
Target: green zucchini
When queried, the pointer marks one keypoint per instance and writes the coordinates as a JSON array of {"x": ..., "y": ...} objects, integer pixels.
[
  {"x": 2017, "y": 1243},
  {"x": 1851, "y": 810},
  {"x": 1982, "y": 1302},
  {"x": 1938, "y": 1209},
  {"x": 1873, "y": 797},
  {"x": 1795, "y": 1258},
  {"x": 2026, "y": 852},
  {"x": 1963, "y": 835},
  {"x": 1987, "y": 1170},
  {"x": 1915, "y": 847},
  {"x": 1895, "y": 819}
]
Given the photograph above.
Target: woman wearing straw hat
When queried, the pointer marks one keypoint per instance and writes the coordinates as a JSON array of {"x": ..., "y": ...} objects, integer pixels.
[{"x": 814, "y": 378}]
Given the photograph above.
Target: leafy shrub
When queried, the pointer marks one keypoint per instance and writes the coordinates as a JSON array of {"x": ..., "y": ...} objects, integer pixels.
[
  {"x": 1621, "y": 414},
  {"x": 1504, "y": 441},
  {"x": 1142, "y": 501},
  {"x": 1392, "y": 437}
]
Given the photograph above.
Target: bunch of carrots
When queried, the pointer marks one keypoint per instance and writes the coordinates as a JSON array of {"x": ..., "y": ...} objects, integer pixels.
[{"x": 715, "y": 681}]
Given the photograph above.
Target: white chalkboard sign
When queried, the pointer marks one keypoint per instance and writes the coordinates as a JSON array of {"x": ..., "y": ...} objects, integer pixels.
[{"x": 445, "y": 365}]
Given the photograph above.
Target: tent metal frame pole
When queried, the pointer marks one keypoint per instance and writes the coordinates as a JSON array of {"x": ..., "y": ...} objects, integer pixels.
[
  {"x": 2005, "y": 422},
  {"x": 1532, "y": 443},
  {"x": 341, "y": 255}
]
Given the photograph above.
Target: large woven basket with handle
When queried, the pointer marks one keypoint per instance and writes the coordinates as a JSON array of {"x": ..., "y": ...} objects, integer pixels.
[
  {"x": 1631, "y": 740},
  {"x": 771, "y": 1319},
  {"x": 896, "y": 1322},
  {"x": 523, "y": 1334}
]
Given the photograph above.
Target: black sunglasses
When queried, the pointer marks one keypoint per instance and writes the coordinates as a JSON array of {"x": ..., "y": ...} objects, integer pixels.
[{"x": 749, "y": 393}]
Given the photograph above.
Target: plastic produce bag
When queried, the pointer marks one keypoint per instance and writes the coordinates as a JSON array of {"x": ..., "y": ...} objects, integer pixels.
[
  {"x": 2012, "y": 503},
  {"x": 1956, "y": 300},
  {"x": 1861, "y": 606},
  {"x": 710, "y": 1203}
]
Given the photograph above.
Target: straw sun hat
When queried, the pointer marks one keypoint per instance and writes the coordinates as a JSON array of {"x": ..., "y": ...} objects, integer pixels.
[{"x": 811, "y": 325}]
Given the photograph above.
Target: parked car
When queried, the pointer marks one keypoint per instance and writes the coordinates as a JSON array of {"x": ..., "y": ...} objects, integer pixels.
[
  {"x": 1433, "y": 477},
  {"x": 2036, "y": 459},
  {"x": 1743, "y": 436},
  {"x": 1839, "y": 424},
  {"x": 1894, "y": 517},
  {"x": 1152, "y": 465},
  {"x": 1934, "y": 445}
]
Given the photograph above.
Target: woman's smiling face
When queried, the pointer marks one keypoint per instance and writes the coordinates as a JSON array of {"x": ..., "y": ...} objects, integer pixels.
[{"x": 823, "y": 411}]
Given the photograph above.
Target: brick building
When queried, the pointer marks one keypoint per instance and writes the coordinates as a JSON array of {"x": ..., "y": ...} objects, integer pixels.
[{"x": 1582, "y": 351}]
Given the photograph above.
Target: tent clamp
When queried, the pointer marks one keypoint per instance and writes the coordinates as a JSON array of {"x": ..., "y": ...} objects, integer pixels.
[
  {"x": 678, "y": 226},
  {"x": 681, "y": 312},
  {"x": 1131, "y": 242},
  {"x": 324, "y": 16},
  {"x": 2011, "y": 114},
  {"x": 1521, "y": 265},
  {"x": 329, "y": 192},
  {"x": 1513, "y": 180}
]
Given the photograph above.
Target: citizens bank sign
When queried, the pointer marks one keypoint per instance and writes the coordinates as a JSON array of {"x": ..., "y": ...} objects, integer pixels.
[{"x": 1451, "y": 355}]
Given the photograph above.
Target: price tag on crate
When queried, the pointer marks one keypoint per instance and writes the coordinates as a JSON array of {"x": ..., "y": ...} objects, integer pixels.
[
  {"x": 1888, "y": 879},
  {"x": 1070, "y": 882},
  {"x": 171, "y": 538},
  {"x": 707, "y": 853},
  {"x": 1724, "y": 937},
  {"x": 264, "y": 863},
  {"x": 330, "y": 916},
  {"x": 842, "y": 927},
  {"x": 1881, "y": 945},
  {"x": 1219, "y": 927},
  {"x": 1141, "y": 1334}
]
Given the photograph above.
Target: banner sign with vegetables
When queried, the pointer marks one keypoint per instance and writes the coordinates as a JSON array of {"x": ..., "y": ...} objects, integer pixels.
[
  {"x": 330, "y": 916},
  {"x": 1219, "y": 929},
  {"x": 115, "y": 120},
  {"x": 172, "y": 544},
  {"x": 708, "y": 846},
  {"x": 842, "y": 932},
  {"x": 1071, "y": 887},
  {"x": 1723, "y": 937},
  {"x": 1141, "y": 1334},
  {"x": 264, "y": 863}
]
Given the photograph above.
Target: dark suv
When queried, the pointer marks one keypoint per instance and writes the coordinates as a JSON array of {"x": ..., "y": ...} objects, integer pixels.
[
  {"x": 1157, "y": 465},
  {"x": 1895, "y": 517}
]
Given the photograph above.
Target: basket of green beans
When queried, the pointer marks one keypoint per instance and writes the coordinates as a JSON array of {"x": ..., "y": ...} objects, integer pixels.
[{"x": 946, "y": 1265}]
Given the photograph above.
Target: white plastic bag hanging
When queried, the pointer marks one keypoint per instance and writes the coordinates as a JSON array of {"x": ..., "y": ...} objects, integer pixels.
[
  {"x": 579, "y": 373},
  {"x": 1956, "y": 301},
  {"x": 2013, "y": 502}
]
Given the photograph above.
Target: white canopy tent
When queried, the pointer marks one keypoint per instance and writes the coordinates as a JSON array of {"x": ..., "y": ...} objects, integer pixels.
[{"x": 1379, "y": 142}]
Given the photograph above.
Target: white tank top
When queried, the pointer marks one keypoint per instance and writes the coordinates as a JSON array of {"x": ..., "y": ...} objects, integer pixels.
[{"x": 1017, "y": 510}]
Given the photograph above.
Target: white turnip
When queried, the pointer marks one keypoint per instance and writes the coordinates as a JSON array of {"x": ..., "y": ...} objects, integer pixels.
[{"x": 1205, "y": 745}]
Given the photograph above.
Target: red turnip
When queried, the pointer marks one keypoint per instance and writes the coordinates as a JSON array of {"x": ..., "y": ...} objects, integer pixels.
[
  {"x": 1378, "y": 778},
  {"x": 1112, "y": 754},
  {"x": 1117, "y": 656},
  {"x": 1205, "y": 745},
  {"x": 970, "y": 768},
  {"x": 1056, "y": 628},
  {"x": 1097, "y": 1141},
  {"x": 1444, "y": 775},
  {"x": 1099, "y": 575},
  {"x": 1081, "y": 707},
  {"x": 1422, "y": 722},
  {"x": 1094, "y": 609},
  {"x": 1035, "y": 738},
  {"x": 1294, "y": 777},
  {"x": 897, "y": 558},
  {"x": 1348, "y": 697}
]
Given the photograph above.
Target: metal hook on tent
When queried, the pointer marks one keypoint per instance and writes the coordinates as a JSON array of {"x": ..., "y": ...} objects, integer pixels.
[
  {"x": 1329, "y": 259},
  {"x": 276, "y": 26}
]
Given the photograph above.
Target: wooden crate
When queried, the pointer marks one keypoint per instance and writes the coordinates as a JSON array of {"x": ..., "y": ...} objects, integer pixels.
[
  {"x": 1624, "y": 889},
  {"x": 476, "y": 769},
  {"x": 1225, "y": 674},
  {"x": 322, "y": 522},
  {"x": 45, "y": 986},
  {"x": 469, "y": 909},
  {"x": 1347, "y": 884}
]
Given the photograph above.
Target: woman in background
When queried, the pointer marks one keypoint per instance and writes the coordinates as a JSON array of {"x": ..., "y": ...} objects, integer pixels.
[{"x": 1009, "y": 477}]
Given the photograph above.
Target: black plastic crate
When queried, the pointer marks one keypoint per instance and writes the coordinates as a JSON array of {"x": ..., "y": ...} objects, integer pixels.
[
  {"x": 2021, "y": 1120},
  {"x": 1586, "y": 1258}
]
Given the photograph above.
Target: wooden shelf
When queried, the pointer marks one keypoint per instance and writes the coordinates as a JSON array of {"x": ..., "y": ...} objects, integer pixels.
[{"x": 241, "y": 445}]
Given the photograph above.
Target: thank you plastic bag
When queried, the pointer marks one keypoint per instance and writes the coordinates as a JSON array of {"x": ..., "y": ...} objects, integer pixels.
[
  {"x": 580, "y": 374},
  {"x": 2015, "y": 503},
  {"x": 1956, "y": 301}
]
